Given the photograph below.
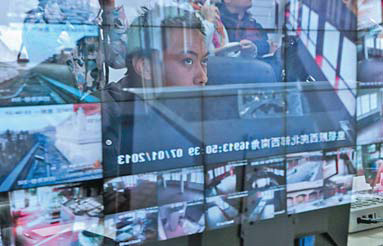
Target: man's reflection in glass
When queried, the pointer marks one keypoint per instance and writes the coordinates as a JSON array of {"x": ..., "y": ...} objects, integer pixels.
[{"x": 166, "y": 47}]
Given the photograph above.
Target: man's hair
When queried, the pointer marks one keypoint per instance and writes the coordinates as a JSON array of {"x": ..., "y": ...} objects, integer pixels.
[{"x": 147, "y": 32}]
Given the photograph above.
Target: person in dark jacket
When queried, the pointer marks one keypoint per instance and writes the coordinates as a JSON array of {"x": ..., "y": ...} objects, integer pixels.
[{"x": 242, "y": 26}]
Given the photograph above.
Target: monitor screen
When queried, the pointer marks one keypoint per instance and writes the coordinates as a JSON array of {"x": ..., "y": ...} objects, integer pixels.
[
  {"x": 224, "y": 193},
  {"x": 181, "y": 185},
  {"x": 132, "y": 227},
  {"x": 319, "y": 179},
  {"x": 225, "y": 178},
  {"x": 156, "y": 223},
  {"x": 370, "y": 168},
  {"x": 50, "y": 52},
  {"x": 169, "y": 202},
  {"x": 49, "y": 145},
  {"x": 304, "y": 171},
  {"x": 223, "y": 211},
  {"x": 266, "y": 186},
  {"x": 369, "y": 118},
  {"x": 55, "y": 214},
  {"x": 135, "y": 122},
  {"x": 127, "y": 193},
  {"x": 180, "y": 219},
  {"x": 369, "y": 53}
]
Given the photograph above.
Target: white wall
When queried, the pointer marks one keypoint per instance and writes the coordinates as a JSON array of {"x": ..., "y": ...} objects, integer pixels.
[{"x": 264, "y": 12}]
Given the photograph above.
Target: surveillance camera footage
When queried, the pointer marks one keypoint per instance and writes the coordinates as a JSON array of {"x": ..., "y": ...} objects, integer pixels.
[
  {"x": 50, "y": 215},
  {"x": 50, "y": 52},
  {"x": 175, "y": 186},
  {"x": 127, "y": 193},
  {"x": 226, "y": 178},
  {"x": 180, "y": 219},
  {"x": 266, "y": 186},
  {"x": 132, "y": 227},
  {"x": 223, "y": 211},
  {"x": 319, "y": 179},
  {"x": 135, "y": 122},
  {"x": 49, "y": 145}
]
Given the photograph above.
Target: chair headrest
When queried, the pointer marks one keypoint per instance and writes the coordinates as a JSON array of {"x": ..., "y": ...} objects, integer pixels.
[{"x": 236, "y": 70}]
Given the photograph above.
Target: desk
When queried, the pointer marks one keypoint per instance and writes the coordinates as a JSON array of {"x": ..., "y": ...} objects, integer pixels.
[{"x": 373, "y": 237}]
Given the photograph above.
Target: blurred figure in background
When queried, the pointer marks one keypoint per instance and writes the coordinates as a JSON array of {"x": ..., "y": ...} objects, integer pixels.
[{"x": 242, "y": 27}]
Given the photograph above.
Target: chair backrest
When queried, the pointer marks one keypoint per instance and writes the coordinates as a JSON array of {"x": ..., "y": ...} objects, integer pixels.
[{"x": 237, "y": 70}]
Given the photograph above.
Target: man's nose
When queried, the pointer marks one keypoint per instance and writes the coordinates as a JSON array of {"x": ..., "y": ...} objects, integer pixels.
[{"x": 201, "y": 76}]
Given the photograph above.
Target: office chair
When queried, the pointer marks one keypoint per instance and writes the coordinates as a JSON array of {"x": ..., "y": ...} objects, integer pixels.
[{"x": 238, "y": 70}]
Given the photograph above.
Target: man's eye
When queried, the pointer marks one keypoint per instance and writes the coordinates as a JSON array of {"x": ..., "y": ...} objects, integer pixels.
[
  {"x": 204, "y": 62},
  {"x": 188, "y": 61}
]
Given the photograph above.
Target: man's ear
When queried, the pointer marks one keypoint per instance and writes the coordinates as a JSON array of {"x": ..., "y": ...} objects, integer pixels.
[{"x": 142, "y": 67}]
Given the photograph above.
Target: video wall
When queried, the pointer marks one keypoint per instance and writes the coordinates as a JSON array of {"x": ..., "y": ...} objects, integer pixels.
[{"x": 129, "y": 122}]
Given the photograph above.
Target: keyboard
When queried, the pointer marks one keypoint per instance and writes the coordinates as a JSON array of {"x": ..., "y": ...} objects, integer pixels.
[{"x": 365, "y": 205}]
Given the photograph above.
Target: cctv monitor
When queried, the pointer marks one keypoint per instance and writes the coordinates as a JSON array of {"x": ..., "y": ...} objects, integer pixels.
[{"x": 45, "y": 145}]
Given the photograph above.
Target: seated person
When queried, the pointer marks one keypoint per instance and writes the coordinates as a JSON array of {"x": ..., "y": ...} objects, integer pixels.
[
  {"x": 242, "y": 27},
  {"x": 216, "y": 34}
]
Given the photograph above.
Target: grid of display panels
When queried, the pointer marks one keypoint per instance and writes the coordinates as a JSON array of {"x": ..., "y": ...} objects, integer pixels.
[{"x": 279, "y": 134}]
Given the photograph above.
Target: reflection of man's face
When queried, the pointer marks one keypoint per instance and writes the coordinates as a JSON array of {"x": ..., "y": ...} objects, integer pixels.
[{"x": 185, "y": 58}]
